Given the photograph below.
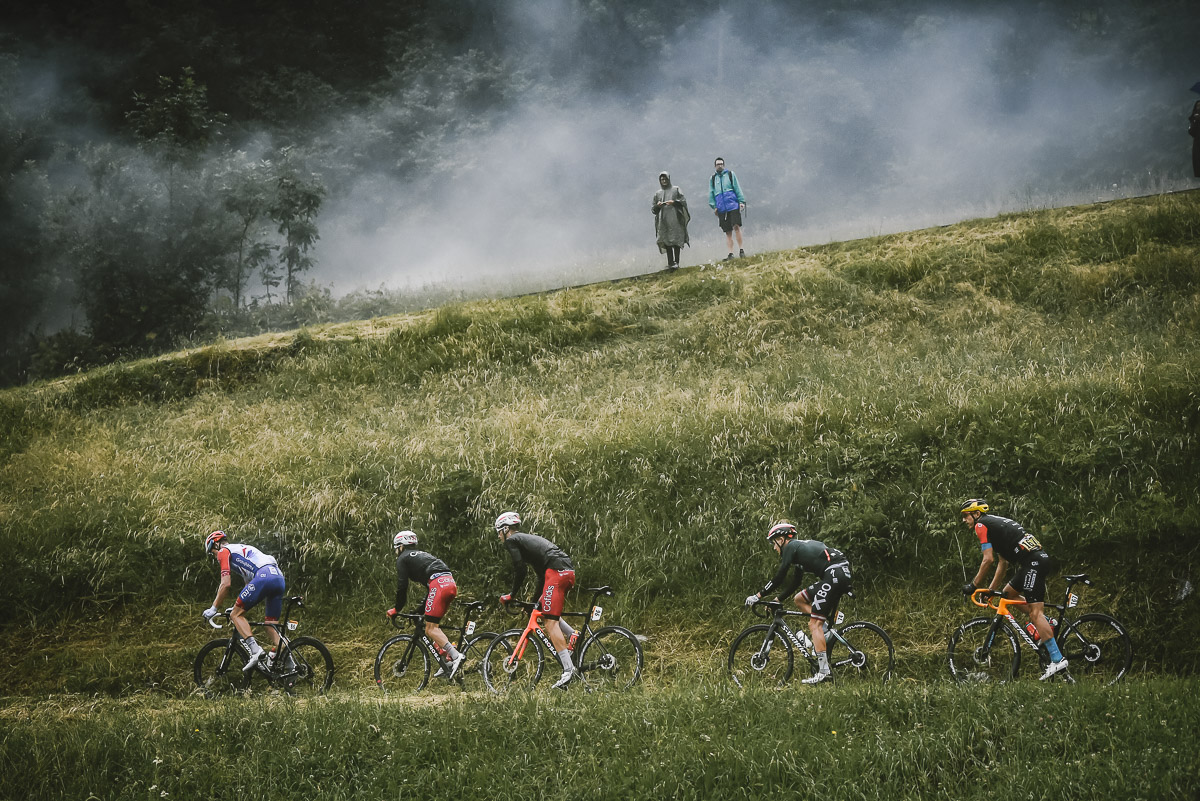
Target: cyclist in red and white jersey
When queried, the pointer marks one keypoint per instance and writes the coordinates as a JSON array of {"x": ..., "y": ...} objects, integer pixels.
[
  {"x": 262, "y": 580},
  {"x": 556, "y": 575},
  {"x": 432, "y": 573}
]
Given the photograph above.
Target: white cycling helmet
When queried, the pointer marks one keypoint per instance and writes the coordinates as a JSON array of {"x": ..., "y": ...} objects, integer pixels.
[
  {"x": 781, "y": 529},
  {"x": 508, "y": 519},
  {"x": 405, "y": 537}
]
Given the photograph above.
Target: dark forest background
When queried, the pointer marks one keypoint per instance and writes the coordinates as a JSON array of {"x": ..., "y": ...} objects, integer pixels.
[{"x": 168, "y": 169}]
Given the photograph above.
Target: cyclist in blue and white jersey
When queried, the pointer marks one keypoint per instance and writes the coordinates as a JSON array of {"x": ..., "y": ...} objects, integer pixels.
[{"x": 262, "y": 580}]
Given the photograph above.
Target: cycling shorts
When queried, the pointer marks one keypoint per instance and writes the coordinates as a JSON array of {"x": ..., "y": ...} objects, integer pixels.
[
  {"x": 267, "y": 584},
  {"x": 442, "y": 590},
  {"x": 554, "y": 592},
  {"x": 825, "y": 593},
  {"x": 1030, "y": 579}
]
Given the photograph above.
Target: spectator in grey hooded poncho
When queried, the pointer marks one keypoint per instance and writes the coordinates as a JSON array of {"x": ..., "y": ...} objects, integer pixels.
[{"x": 671, "y": 219}]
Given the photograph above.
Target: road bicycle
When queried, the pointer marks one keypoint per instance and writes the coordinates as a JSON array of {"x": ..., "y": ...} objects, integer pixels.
[
  {"x": 764, "y": 653},
  {"x": 301, "y": 666},
  {"x": 404, "y": 662},
  {"x": 609, "y": 657},
  {"x": 1096, "y": 646}
]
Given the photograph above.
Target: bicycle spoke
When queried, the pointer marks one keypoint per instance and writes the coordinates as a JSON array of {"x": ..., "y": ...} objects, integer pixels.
[
  {"x": 1097, "y": 649},
  {"x": 610, "y": 659},
  {"x": 860, "y": 652},
  {"x": 218, "y": 670},
  {"x": 504, "y": 672},
  {"x": 759, "y": 660},
  {"x": 401, "y": 667},
  {"x": 305, "y": 667},
  {"x": 974, "y": 659}
]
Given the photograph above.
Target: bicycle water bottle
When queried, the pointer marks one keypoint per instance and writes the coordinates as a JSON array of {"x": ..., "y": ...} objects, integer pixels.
[{"x": 1032, "y": 629}]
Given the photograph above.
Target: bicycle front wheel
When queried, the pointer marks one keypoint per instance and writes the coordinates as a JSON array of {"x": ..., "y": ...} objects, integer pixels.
[
  {"x": 864, "y": 653},
  {"x": 218, "y": 669},
  {"x": 1097, "y": 649},
  {"x": 401, "y": 667},
  {"x": 504, "y": 671},
  {"x": 611, "y": 659},
  {"x": 305, "y": 667},
  {"x": 976, "y": 655},
  {"x": 759, "y": 658}
]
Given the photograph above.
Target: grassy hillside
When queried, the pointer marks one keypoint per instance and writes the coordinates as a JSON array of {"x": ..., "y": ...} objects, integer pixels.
[{"x": 653, "y": 427}]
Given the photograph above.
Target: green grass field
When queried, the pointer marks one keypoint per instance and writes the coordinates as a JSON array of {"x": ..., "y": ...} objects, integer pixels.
[
  {"x": 654, "y": 428},
  {"x": 699, "y": 740}
]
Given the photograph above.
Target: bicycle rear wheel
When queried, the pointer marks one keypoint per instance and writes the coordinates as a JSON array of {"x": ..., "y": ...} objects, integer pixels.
[
  {"x": 218, "y": 669},
  {"x": 974, "y": 659},
  {"x": 503, "y": 673},
  {"x": 1097, "y": 649},
  {"x": 611, "y": 659},
  {"x": 758, "y": 661},
  {"x": 397, "y": 670},
  {"x": 305, "y": 667},
  {"x": 866, "y": 655}
]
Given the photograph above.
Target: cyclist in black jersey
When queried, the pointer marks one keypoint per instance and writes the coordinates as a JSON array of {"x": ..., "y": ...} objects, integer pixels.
[
  {"x": 431, "y": 572},
  {"x": 555, "y": 574},
  {"x": 820, "y": 599},
  {"x": 1003, "y": 541}
]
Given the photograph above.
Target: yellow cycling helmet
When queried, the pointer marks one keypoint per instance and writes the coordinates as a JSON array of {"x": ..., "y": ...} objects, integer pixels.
[{"x": 973, "y": 505}]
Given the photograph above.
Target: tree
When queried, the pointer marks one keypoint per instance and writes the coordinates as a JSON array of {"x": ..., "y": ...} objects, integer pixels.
[
  {"x": 176, "y": 122},
  {"x": 247, "y": 190},
  {"x": 297, "y": 201}
]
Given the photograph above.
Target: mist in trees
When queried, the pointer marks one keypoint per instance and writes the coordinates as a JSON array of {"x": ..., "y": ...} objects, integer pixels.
[{"x": 173, "y": 171}]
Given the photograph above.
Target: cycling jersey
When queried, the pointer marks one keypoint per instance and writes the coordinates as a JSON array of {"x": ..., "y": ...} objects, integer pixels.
[
  {"x": 803, "y": 555},
  {"x": 418, "y": 566},
  {"x": 260, "y": 574},
  {"x": 1010, "y": 539},
  {"x": 531, "y": 550},
  {"x": 245, "y": 560}
]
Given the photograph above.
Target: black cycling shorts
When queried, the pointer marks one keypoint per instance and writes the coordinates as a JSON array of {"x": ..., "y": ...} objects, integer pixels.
[
  {"x": 825, "y": 593},
  {"x": 1030, "y": 579}
]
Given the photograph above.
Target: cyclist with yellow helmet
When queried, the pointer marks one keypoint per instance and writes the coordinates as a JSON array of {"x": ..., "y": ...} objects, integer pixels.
[{"x": 1003, "y": 540}]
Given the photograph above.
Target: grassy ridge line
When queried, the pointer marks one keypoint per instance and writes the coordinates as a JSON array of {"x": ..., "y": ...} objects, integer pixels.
[
  {"x": 655, "y": 428},
  {"x": 700, "y": 741}
]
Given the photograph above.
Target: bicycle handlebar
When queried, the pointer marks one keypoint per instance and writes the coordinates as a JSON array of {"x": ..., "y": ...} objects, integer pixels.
[
  {"x": 983, "y": 597},
  {"x": 212, "y": 621}
]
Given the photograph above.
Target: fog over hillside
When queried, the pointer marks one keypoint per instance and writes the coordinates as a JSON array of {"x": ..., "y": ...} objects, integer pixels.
[
  {"x": 521, "y": 151},
  {"x": 837, "y": 127}
]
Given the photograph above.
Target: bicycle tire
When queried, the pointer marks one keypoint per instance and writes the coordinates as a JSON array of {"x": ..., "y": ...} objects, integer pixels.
[
  {"x": 753, "y": 664},
  {"x": 870, "y": 657},
  {"x": 611, "y": 659},
  {"x": 970, "y": 659},
  {"x": 1097, "y": 648},
  {"x": 217, "y": 676},
  {"x": 499, "y": 676},
  {"x": 393, "y": 674},
  {"x": 470, "y": 675},
  {"x": 313, "y": 667}
]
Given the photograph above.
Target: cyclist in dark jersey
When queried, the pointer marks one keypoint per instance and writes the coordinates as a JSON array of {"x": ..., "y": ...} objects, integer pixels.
[
  {"x": 820, "y": 599},
  {"x": 1003, "y": 541},
  {"x": 555, "y": 574},
  {"x": 431, "y": 572}
]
